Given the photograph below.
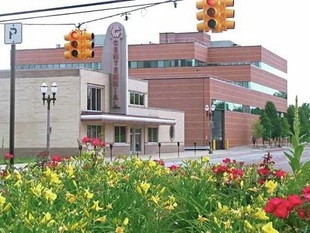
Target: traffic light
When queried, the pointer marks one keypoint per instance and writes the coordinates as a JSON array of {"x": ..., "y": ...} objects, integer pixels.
[
  {"x": 227, "y": 13},
  {"x": 73, "y": 47},
  {"x": 209, "y": 15},
  {"x": 201, "y": 16},
  {"x": 213, "y": 15},
  {"x": 87, "y": 45}
]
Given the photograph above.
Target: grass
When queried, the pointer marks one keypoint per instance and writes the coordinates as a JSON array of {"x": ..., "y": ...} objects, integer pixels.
[{"x": 20, "y": 160}]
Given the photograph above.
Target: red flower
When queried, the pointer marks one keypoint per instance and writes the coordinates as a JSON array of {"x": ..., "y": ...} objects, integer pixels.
[
  {"x": 282, "y": 210},
  {"x": 86, "y": 140},
  {"x": 8, "y": 156},
  {"x": 174, "y": 167},
  {"x": 161, "y": 162},
  {"x": 226, "y": 160},
  {"x": 295, "y": 200},
  {"x": 264, "y": 171},
  {"x": 57, "y": 158},
  {"x": 306, "y": 193},
  {"x": 272, "y": 204},
  {"x": 96, "y": 142},
  {"x": 237, "y": 173},
  {"x": 280, "y": 174}
]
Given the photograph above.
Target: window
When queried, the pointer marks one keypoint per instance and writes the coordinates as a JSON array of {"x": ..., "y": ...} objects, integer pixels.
[
  {"x": 137, "y": 98},
  {"x": 153, "y": 134},
  {"x": 120, "y": 134},
  {"x": 94, "y": 131},
  {"x": 94, "y": 98}
]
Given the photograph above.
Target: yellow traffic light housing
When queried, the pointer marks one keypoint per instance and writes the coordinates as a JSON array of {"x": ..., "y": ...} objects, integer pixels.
[
  {"x": 227, "y": 13},
  {"x": 201, "y": 16},
  {"x": 213, "y": 15},
  {"x": 72, "y": 48},
  {"x": 80, "y": 45},
  {"x": 88, "y": 45}
]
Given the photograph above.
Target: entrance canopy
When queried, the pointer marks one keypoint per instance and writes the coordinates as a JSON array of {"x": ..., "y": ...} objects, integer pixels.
[{"x": 126, "y": 118}]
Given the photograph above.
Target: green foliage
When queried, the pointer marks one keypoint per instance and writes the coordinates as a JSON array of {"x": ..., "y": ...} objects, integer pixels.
[
  {"x": 294, "y": 154},
  {"x": 257, "y": 129}
]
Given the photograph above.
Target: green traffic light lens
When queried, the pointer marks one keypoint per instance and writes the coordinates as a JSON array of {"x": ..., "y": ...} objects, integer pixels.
[
  {"x": 74, "y": 53},
  {"x": 211, "y": 23}
]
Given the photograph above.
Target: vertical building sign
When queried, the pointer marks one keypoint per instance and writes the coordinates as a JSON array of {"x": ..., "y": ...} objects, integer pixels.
[{"x": 114, "y": 62}]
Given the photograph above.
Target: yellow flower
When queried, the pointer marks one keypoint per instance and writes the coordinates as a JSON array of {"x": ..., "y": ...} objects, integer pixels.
[
  {"x": 2, "y": 200},
  {"x": 205, "y": 159},
  {"x": 119, "y": 230},
  {"x": 155, "y": 199},
  {"x": 88, "y": 194},
  {"x": 54, "y": 177},
  {"x": 101, "y": 219},
  {"x": 145, "y": 187},
  {"x": 109, "y": 206},
  {"x": 126, "y": 221},
  {"x": 248, "y": 225},
  {"x": 49, "y": 195},
  {"x": 268, "y": 228},
  {"x": 47, "y": 218},
  {"x": 7, "y": 207},
  {"x": 261, "y": 214},
  {"x": 202, "y": 219},
  {"x": 70, "y": 197},
  {"x": 37, "y": 190},
  {"x": 96, "y": 206},
  {"x": 62, "y": 229},
  {"x": 223, "y": 209},
  {"x": 227, "y": 224},
  {"x": 70, "y": 171},
  {"x": 271, "y": 186}
]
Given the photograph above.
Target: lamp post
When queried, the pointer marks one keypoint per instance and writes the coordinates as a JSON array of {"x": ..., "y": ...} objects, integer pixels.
[
  {"x": 209, "y": 113},
  {"x": 48, "y": 99}
]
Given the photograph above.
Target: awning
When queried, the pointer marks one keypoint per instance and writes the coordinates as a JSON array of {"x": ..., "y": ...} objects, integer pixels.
[{"x": 129, "y": 119}]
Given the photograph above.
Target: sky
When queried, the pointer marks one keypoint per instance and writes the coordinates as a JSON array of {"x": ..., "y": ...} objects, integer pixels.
[{"x": 275, "y": 25}]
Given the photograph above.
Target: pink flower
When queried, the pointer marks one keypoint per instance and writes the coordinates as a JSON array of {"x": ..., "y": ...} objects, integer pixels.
[
  {"x": 86, "y": 140},
  {"x": 8, "y": 156},
  {"x": 96, "y": 142}
]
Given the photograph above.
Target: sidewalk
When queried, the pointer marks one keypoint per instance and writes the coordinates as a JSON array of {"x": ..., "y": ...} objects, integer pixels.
[{"x": 217, "y": 155}]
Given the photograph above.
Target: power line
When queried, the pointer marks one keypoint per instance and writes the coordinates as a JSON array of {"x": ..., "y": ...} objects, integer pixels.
[
  {"x": 140, "y": 6},
  {"x": 63, "y": 7}
]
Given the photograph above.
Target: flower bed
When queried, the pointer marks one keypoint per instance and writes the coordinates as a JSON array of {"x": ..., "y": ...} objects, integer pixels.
[{"x": 87, "y": 194}]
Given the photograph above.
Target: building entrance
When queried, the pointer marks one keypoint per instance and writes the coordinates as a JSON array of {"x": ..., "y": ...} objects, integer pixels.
[{"x": 135, "y": 140}]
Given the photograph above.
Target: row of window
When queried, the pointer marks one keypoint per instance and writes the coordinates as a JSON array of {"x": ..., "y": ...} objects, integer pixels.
[
  {"x": 95, "y": 131},
  {"x": 94, "y": 98}
]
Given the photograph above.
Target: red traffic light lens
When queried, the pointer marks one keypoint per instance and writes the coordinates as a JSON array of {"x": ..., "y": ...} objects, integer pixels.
[
  {"x": 211, "y": 12},
  {"x": 211, "y": 2},
  {"x": 74, "y": 35}
]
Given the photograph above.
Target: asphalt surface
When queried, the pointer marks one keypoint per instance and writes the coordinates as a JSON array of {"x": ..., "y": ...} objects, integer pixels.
[{"x": 247, "y": 154}]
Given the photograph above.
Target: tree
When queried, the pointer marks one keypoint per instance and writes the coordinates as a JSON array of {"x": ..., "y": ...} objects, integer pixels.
[
  {"x": 257, "y": 129},
  {"x": 272, "y": 114},
  {"x": 266, "y": 123}
]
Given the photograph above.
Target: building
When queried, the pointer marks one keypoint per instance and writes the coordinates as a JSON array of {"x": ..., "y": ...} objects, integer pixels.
[
  {"x": 189, "y": 72},
  {"x": 82, "y": 108},
  {"x": 103, "y": 104}
]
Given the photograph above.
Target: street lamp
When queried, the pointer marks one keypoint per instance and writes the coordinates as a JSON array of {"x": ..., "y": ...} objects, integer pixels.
[
  {"x": 209, "y": 113},
  {"x": 48, "y": 99}
]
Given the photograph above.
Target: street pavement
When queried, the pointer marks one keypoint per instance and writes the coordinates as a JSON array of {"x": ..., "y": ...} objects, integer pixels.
[{"x": 247, "y": 154}]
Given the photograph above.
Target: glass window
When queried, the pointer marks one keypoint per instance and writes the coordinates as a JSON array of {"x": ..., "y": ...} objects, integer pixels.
[
  {"x": 137, "y": 98},
  {"x": 153, "y": 134},
  {"x": 94, "y": 131},
  {"x": 94, "y": 98},
  {"x": 120, "y": 134}
]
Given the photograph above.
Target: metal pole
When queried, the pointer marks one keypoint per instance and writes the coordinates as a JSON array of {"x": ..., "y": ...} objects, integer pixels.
[
  {"x": 48, "y": 130},
  {"x": 211, "y": 134},
  {"x": 12, "y": 104}
]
